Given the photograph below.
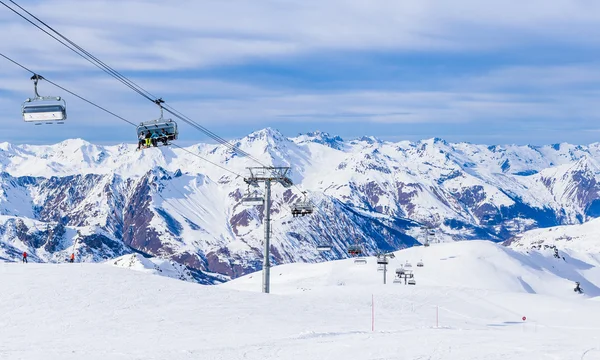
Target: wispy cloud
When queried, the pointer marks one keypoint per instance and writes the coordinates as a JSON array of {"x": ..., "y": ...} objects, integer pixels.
[{"x": 421, "y": 65}]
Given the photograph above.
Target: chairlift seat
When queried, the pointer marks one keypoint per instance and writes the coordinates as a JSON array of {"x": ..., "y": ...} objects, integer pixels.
[
  {"x": 383, "y": 261},
  {"x": 397, "y": 280},
  {"x": 44, "y": 109},
  {"x": 159, "y": 125},
  {"x": 253, "y": 200},
  {"x": 400, "y": 271},
  {"x": 360, "y": 261},
  {"x": 302, "y": 208},
  {"x": 408, "y": 265},
  {"x": 420, "y": 264},
  {"x": 324, "y": 247},
  {"x": 412, "y": 282},
  {"x": 354, "y": 250}
]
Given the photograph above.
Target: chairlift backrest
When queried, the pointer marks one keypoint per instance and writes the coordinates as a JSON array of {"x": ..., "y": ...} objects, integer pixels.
[
  {"x": 323, "y": 247},
  {"x": 44, "y": 109},
  {"x": 253, "y": 200},
  {"x": 157, "y": 126}
]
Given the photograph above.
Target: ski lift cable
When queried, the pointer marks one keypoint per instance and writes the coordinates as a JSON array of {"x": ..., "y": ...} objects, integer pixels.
[
  {"x": 68, "y": 91},
  {"x": 112, "y": 113},
  {"x": 60, "y": 41},
  {"x": 132, "y": 85},
  {"x": 123, "y": 79},
  {"x": 80, "y": 51}
]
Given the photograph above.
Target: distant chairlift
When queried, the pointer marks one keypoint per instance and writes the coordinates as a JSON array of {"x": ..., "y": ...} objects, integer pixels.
[
  {"x": 44, "y": 109},
  {"x": 420, "y": 263},
  {"x": 253, "y": 199},
  {"x": 302, "y": 208},
  {"x": 323, "y": 247},
  {"x": 412, "y": 282},
  {"x": 407, "y": 265},
  {"x": 360, "y": 260}
]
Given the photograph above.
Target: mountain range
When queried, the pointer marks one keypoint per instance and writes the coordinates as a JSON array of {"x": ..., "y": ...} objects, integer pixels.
[{"x": 185, "y": 204}]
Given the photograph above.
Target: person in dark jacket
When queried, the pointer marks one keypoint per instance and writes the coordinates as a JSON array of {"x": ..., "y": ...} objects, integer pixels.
[
  {"x": 24, "y": 257},
  {"x": 142, "y": 139}
]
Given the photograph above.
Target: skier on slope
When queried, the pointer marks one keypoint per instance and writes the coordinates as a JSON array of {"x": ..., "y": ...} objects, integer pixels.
[
  {"x": 24, "y": 257},
  {"x": 578, "y": 288},
  {"x": 72, "y": 259}
]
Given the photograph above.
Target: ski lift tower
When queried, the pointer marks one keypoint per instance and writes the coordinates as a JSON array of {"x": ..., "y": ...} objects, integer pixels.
[
  {"x": 382, "y": 259},
  {"x": 427, "y": 232},
  {"x": 268, "y": 175}
]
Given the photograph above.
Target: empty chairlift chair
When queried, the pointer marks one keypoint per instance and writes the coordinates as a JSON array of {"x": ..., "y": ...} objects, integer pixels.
[
  {"x": 382, "y": 261},
  {"x": 360, "y": 260},
  {"x": 253, "y": 199},
  {"x": 412, "y": 281},
  {"x": 420, "y": 263},
  {"x": 44, "y": 109},
  {"x": 323, "y": 247}
]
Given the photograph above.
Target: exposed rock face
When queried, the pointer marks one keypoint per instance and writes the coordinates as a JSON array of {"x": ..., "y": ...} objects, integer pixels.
[{"x": 106, "y": 202}]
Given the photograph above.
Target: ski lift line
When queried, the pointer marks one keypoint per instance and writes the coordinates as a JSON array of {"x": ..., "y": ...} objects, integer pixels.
[
  {"x": 129, "y": 83},
  {"x": 120, "y": 77},
  {"x": 99, "y": 63},
  {"x": 69, "y": 91},
  {"x": 132, "y": 85},
  {"x": 112, "y": 113}
]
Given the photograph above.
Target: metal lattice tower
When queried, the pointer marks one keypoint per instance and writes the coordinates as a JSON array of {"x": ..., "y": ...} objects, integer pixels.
[
  {"x": 382, "y": 259},
  {"x": 268, "y": 175}
]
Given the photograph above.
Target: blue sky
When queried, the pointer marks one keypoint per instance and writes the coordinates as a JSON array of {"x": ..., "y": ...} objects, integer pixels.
[{"x": 465, "y": 70}]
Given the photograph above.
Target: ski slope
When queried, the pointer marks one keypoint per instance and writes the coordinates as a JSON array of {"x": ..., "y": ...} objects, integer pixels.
[{"x": 315, "y": 311}]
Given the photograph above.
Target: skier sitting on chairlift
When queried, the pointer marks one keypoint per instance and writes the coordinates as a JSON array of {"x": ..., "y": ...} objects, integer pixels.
[{"x": 578, "y": 288}]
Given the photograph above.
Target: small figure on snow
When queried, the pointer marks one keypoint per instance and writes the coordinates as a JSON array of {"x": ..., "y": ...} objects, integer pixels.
[
  {"x": 24, "y": 257},
  {"x": 72, "y": 259},
  {"x": 578, "y": 288}
]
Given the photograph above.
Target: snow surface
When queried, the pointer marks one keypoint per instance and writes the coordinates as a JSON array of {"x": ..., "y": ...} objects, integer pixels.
[{"x": 316, "y": 311}]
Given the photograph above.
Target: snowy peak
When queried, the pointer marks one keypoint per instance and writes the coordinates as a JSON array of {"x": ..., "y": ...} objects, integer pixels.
[{"x": 319, "y": 137}]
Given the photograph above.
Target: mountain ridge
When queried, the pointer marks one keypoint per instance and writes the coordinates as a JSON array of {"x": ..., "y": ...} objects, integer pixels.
[{"x": 170, "y": 203}]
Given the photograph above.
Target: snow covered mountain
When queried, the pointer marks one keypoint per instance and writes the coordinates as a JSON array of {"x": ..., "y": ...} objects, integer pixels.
[{"x": 170, "y": 203}]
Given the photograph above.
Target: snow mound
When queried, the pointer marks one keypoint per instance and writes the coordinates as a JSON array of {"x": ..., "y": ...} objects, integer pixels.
[
  {"x": 154, "y": 266},
  {"x": 476, "y": 265},
  {"x": 94, "y": 311}
]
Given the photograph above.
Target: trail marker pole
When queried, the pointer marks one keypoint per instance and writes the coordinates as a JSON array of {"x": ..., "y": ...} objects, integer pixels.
[{"x": 372, "y": 312}]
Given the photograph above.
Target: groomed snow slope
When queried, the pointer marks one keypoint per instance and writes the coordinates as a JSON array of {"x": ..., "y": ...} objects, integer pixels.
[{"x": 99, "y": 311}]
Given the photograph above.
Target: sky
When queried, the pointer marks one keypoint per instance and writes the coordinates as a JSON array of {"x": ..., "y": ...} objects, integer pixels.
[{"x": 493, "y": 72}]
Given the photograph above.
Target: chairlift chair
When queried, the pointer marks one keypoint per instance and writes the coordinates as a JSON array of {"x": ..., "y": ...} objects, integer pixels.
[
  {"x": 302, "y": 208},
  {"x": 399, "y": 271},
  {"x": 407, "y": 265},
  {"x": 44, "y": 109},
  {"x": 420, "y": 263},
  {"x": 252, "y": 199},
  {"x": 166, "y": 129},
  {"x": 323, "y": 247},
  {"x": 360, "y": 260},
  {"x": 412, "y": 282},
  {"x": 354, "y": 250},
  {"x": 382, "y": 260}
]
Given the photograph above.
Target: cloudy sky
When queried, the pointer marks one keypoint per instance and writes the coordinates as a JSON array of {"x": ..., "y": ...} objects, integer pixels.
[{"x": 464, "y": 70}]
